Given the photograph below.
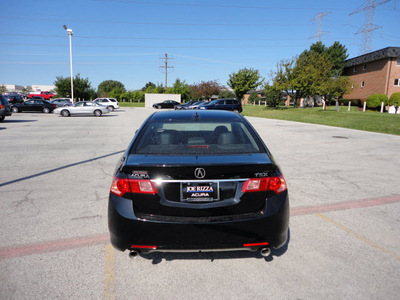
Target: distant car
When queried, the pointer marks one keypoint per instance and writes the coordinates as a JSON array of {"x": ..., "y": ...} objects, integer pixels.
[
  {"x": 34, "y": 105},
  {"x": 82, "y": 108},
  {"x": 110, "y": 103},
  {"x": 166, "y": 104},
  {"x": 5, "y": 108},
  {"x": 196, "y": 104},
  {"x": 14, "y": 98},
  {"x": 197, "y": 180},
  {"x": 61, "y": 102},
  {"x": 223, "y": 104},
  {"x": 185, "y": 105},
  {"x": 36, "y": 98}
]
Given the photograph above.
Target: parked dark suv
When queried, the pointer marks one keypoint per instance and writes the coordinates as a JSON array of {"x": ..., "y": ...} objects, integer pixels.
[
  {"x": 223, "y": 104},
  {"x": 5, "y": 108}
]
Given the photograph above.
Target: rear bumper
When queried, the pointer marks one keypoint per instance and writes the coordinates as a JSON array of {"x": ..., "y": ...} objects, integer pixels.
[
  {"x": 5, "y": 113},
  {"x": 127, "y": 231}
]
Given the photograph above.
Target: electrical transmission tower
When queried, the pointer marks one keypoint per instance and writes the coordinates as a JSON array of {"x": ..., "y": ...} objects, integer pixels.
[
  {"x": 318, "y": 19},
  {"x": 166, "y": 67},
  {"x": 369, "y": 27}
]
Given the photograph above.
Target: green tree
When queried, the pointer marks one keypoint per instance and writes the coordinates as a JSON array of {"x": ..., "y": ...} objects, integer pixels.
[
  {"x": 156, "y": 89},
  {"x": 147, "y": 85},
  {"x": 272, "y": 95},
  {"x": 226, "y": 94},
  {"x": 3, "y": 89},
  {"x": 243, "y": 81},
  {"x": 116, "y": 93},
  {"x": 336, "y": 54},
  {"x": 336, "y": 87},
  {"x": 254, "y": 98},
  {"x": 135, "y": 96},
  {"x": 180, "y": 87},
  {"x": 104, "y": 89},
  {"x": 284, "y": 79},
  {"x": 82, "y": 88}
]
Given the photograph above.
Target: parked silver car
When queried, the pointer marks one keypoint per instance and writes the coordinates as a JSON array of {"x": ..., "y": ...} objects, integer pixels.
[{"x": 82, "y": 108}]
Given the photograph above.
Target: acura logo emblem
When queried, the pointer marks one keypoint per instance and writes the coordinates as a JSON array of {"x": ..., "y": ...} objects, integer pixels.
[{"x": 200, "y": 173}]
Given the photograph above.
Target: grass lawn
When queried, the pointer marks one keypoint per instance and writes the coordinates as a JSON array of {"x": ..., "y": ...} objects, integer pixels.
[
  {"x": 128, "y": 104},
  {"x": 369, "y": 120}
]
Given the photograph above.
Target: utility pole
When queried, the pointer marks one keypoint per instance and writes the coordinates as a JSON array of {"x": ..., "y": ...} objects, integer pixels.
[
  {"x": 318, "y": 19},
  {"x": 70, "y": 34},
  {"x": 368, "y": 27},
  {"x": 166, "y": 67}
]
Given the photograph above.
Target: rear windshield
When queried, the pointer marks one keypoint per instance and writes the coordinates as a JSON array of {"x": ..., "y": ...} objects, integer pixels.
[{"x": 201, "y": 137}]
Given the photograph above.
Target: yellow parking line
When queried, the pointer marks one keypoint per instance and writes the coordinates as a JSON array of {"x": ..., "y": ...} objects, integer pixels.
[
  {"x": 109, "y": 273},
  {"x": 359, "y": 236}
]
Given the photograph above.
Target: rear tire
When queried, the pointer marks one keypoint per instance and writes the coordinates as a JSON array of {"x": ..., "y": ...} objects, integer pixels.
[
  {"x": 110, "y": 108},
  {"x": 14, "y": 109},
  {"x": 46, "y": 110},
  {"x": 2, "y": 118},
  {"x": 98, "y": 113},
  {"x": 65, "y": 113}
]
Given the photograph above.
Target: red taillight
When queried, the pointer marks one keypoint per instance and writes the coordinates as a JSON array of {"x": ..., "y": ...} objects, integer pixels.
[
  {"x": 256, "y": 244},
  {"x": 2, "y": 106},
  {"x": 121, "y": 186},
  {"x": 276, "y": 184},
  {"x": 143, "y": 247}
]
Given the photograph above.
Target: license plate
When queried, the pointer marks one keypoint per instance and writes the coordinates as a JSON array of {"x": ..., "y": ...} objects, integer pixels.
[{"x": 199, "y": 191}]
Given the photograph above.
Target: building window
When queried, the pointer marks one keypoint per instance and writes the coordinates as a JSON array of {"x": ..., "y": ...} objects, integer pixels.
[
  {"x": 355, "y": 69},
  {"x": 362, "y": 83},
  {"x": 364, "y": 66},
  {"x": 397, "y": 81},
  {"x": 398, "y": 61}
]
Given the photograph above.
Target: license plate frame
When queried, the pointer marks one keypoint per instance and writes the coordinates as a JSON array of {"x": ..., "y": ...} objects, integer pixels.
[{"x": 200, "y": 191}]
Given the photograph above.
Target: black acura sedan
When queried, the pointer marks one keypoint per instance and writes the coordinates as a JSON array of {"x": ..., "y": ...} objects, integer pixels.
[
  {"x": 166, "y": 104},
  {"x": 195, "y": 181}
]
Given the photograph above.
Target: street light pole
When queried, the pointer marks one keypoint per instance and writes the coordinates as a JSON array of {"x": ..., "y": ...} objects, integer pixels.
[{"x": 70, "y": 34}]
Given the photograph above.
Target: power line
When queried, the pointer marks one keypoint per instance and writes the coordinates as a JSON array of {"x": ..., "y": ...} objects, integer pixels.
[
  {"x": 158, "y": 38},
  {"x": 213, "y": 5},
  {"x": 163, "y": 23}
]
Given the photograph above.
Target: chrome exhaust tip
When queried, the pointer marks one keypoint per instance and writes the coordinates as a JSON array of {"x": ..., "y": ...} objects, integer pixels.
[
  {"x": 265, "y": 252},
  {"x": 133, "y": 254}
]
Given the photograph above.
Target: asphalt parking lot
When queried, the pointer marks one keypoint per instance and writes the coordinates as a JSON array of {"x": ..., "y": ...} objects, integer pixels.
[{"x": 55, "y": 175}]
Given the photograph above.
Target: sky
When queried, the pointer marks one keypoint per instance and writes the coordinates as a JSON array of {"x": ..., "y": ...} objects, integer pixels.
[{"x": 205, "y": 40}]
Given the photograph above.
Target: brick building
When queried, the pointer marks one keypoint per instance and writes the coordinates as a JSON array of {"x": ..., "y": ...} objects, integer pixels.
[{"x": 377, "y": 72}]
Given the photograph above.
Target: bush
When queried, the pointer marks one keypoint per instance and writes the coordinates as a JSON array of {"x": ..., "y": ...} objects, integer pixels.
[
  {"x": 395, "y": 99},
  {"x": 272, "y": 96},
  {"x": 376, "y": 100},
  {"x": 253, "y": 98}
]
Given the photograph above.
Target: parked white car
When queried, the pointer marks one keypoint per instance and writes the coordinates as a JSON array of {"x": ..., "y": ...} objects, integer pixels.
[
  {"x": 82, "y": 108},
  {"x": 110, "y": 103}
]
